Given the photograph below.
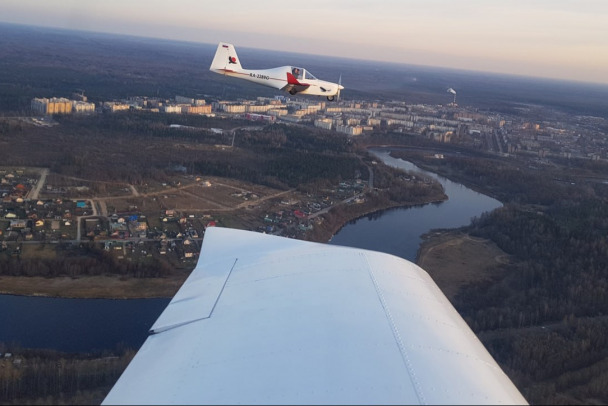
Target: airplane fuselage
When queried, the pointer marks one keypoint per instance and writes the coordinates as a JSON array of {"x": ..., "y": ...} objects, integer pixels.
[
  {"x": 277, "y": 78},
  {"x": 291, "y": 79}
]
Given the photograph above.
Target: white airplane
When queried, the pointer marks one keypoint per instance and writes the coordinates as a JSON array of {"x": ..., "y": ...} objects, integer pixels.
[
  {"x": 272, "y": 320},
  {"x": 292, "y": 79}
]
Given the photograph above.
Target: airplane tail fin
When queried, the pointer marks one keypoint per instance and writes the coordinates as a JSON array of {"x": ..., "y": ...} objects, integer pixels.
[{"x": 225, "y": 59}]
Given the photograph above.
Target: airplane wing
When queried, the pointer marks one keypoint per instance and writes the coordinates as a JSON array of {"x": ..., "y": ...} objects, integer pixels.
[{"x": 270, "y": 320}]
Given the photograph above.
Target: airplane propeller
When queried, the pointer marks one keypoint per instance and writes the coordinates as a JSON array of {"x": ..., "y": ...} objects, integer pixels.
[{"x": 336, "y": 97}]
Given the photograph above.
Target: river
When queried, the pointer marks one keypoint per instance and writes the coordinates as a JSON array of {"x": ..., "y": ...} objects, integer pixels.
[
  {"x": 77, "y": 325},
  {"x": 82, "y": 325},
  {"x": 398, "y": 231}
]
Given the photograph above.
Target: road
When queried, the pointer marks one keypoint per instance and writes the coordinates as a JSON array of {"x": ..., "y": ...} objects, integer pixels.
[
  {"x": 35, "y": 192},
  {"x": 370, "y": 183}
]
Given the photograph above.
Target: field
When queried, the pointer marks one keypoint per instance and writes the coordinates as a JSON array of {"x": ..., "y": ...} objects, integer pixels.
[
  {"x": 454, "y": 259},
  {"x": 185, "y": 194}
]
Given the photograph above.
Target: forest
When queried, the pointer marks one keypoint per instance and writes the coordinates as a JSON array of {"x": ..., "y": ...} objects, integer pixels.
[
  {"x": 135, "y": 147},
  {"x": 543, "y": 316},
  {"x": 88, "y": 259},
  {"x": 52, "y": 377}
]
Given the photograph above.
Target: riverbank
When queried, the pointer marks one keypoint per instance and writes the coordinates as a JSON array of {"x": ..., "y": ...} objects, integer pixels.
[
  {"x": 120, "y": 287},
  {"x": 406, "y": 193},
  {"x": 89, "y": 287},
  {"x": 431, "y": 165},
  {"x": 338, "y": 217}
]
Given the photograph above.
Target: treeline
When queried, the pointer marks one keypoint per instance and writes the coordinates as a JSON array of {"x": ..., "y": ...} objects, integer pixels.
[
  {"x": 406, "y": 188},
  {"x": 562, "y": 265},
  {"x": 51, "y": 377},
  {"x": 137, "y": 147},
  {"x": 305, "y": 139},
  {"x": 560, "y": 364},
  {"x": 149, "y": 124},
  {"x": 391, "y": 188},
  {"x": 508, "y": 180},
  {"x": 94, "y": 167},
  {"x": 294, "y": 168},
  {"x": 289, "y": 169},
  {"x": 10, "y": 126},
  {"x": 286, "y": 156},
  {"x": 544, "y": 316},
  {"x": 87, "y": 261},
  {"x": 277, "y": 138}
]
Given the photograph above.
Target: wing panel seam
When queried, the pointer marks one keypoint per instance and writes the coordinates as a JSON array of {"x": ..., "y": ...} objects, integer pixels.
[
  {"x": 396, "y": 333},
  {"x": 223, "y": 286}
]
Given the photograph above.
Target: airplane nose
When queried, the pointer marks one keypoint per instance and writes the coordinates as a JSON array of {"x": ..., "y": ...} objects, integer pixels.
[{"x": 340, "y": 87}]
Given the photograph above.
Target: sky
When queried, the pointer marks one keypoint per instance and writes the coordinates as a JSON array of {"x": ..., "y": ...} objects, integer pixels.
[{"x": 563, "y": 39}]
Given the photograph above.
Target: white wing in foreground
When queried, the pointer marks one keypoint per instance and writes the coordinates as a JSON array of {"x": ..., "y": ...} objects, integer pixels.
[{"x": 270, "y": 320}]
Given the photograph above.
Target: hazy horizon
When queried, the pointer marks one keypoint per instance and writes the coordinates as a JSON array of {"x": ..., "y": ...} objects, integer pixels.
[
  {"x": 305, "y": 54},
  {"x": 561, "y": 39}
]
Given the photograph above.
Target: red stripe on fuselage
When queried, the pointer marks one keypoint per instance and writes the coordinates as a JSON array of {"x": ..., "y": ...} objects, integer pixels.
[{"x": 291, "y": 79}]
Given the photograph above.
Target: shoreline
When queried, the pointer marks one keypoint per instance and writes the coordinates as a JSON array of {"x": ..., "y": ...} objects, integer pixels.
[
  {"x": 116, "y": 287},
  {"x": 110, "y": 287},
  {"x": 338, "y": 226}
]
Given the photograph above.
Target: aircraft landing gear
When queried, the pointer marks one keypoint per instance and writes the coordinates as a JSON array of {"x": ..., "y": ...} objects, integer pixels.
[
  {"x": 293, "y": 92},
  {"x": 330, "y": 98}
]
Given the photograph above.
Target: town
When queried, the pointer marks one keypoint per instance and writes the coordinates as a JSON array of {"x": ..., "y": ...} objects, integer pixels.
[{"x": 531, "y": 131}]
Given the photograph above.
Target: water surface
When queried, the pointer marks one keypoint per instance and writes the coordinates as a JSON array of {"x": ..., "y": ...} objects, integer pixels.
[{"x": 398, "y": 231}]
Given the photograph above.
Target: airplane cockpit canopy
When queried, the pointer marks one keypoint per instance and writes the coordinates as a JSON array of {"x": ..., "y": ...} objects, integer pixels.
[
  {"x": 308, "y": 75},
  {"x": 301, "y": 73}
]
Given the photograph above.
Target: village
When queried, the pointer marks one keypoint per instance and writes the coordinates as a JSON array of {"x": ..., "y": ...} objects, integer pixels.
[{"x": 168, "y": 220}]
